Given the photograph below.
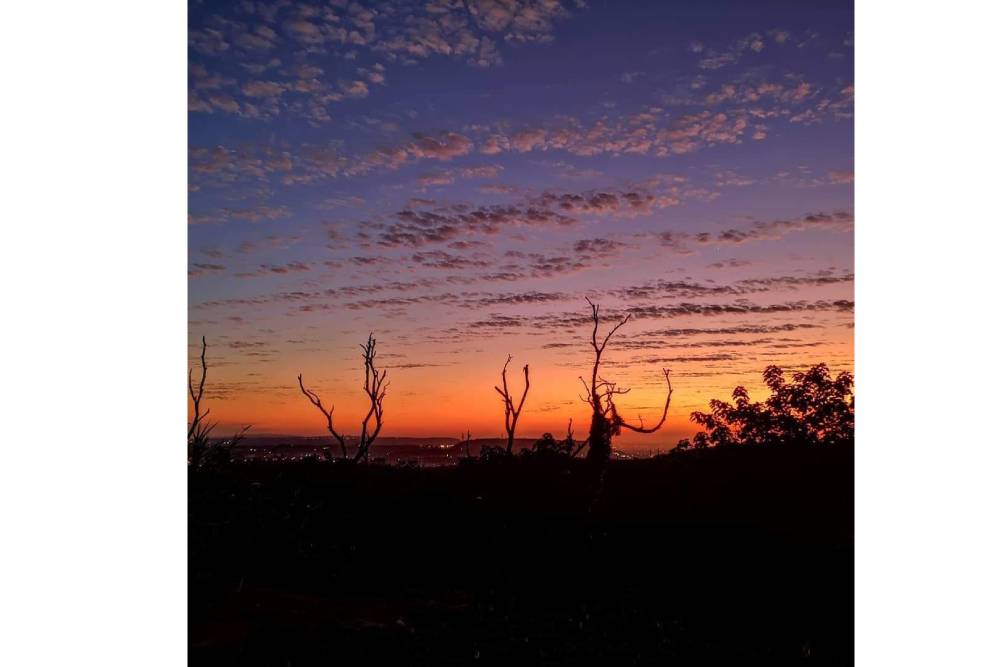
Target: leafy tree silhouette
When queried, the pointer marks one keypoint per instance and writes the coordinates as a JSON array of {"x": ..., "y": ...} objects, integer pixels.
[
  {"x": 815, "y": 408},
  {"x": 547, "y": 447}
]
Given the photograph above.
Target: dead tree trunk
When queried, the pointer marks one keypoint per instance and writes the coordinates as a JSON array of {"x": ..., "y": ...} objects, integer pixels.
[
  {"x": 200, "y": 430},
  {"x": 510, "y": 413},
  {"x": 375, "y": 388},
  {"x": 605, "y": 422}
]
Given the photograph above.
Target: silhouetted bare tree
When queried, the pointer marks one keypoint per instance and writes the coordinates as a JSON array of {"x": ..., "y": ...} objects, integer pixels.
[
  {"x": 375, "y": 388},
  {"x": 510, "y": 413},
  {"x": 466, "y": 439},
  {"x": 200, "y": 430},
  {"x": 605, "y": 421},
  {"x": 328, "y": 413}
]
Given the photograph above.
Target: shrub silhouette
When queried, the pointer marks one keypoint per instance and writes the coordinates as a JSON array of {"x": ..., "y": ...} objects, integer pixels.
[
  {"x": 492, "y": 453},
  {"x": 813, "y": 409},
  {"x": 548, "y": 447}
]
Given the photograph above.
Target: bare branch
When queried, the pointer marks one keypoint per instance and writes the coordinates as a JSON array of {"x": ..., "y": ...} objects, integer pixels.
[
  {"x": 605, "y": 420},
  {"x": 510, "y": 413},
  {"x": 614, "y": 329},
  {"x": 375, "y": 388},
  {"x": 640, "y": 428},
  {"x": 198, "y": 416},
  {"x": 315, "y": 400},
  {"x": 239, "y": 436}
]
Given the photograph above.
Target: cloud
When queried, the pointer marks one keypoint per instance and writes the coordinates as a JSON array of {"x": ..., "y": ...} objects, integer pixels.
[
  {"x": 649, "y": 132},
  {"x": 356, "y": 89},
  {"x": 438, "y": 259},
  {"x": 839, "y": 106},
  {"x": 518, "y": 21},
  {"x": 467, "y": 245},
  {"x": 497, "y": 189},
  {"x": 773, "y": 230},
  {"x": 484, "y": 171},
  {"x": 564, "y": 320},
  {"x": 694, "y": 131},
  {"x": 598, "y": 247},
  {"x": 464, "y": 300},
  {"x": 204, "y": 269},
  {"x": 304, "y": 31},
  {"x": 840, "y": 221},
  {"x": 220, "y": 165},
  {"x": 494, "y": 144},
  {"x": 604, "y": 202},
  {"x": 527, "y": 140},
  {"x": 738, "y": 308},
  {"x": 547, "y": 266},
  {"x": 445, "y": 147},
  {"x": 730, "y": 264},
  {"x": 728, "y": 331},
  {"x": 254, "y": 214},
  {"x": 515, "y": 299},
  {"x": 840, "y": 177},
  {"x": 441, "y": 178},
  {"x": 259, "y": 36},
  {"x": 743, "y": 92},
  {"x": 276, "y": 269},
  {"x": 499, "y": 322},
  {"x": 686, "y": 289},
  {"x": 717, "y": 59},
  {"x": 415, "y": 228},
  {"x": 264, "y": 89},
  {"x": 448, "y": 177},
  {"x": 313, "y": 296}
]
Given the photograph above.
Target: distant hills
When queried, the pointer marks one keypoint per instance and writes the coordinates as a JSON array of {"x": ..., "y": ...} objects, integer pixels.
[{"x": 426, "y": 451}]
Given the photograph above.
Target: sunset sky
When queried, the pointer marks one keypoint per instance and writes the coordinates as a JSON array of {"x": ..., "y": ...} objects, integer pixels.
[{"x": 457, "y": 176}]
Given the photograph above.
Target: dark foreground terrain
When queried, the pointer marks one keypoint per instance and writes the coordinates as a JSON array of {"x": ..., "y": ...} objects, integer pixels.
[{"x": 728, "y": 556}]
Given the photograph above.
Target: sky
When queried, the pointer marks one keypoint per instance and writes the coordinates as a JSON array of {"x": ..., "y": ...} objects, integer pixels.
[{"x": 457, "y": 176}]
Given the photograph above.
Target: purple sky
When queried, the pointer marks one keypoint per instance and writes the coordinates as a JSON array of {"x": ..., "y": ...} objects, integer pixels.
[{"x": 457, "y": 176}]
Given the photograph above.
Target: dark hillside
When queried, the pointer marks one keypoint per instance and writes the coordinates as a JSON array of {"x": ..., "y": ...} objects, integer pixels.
[{"x": 735, "y": 556}]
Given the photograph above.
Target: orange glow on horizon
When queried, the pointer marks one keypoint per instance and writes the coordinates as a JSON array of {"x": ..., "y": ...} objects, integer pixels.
[{"x": 444, "y": 401}]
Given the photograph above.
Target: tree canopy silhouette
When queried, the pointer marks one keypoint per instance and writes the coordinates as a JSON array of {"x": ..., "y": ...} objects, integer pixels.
[{"x": 815, "y": 408}]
